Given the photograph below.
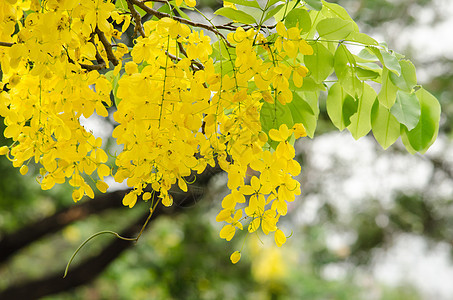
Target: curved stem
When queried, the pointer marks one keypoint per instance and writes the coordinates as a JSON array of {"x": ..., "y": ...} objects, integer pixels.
[{"x": 89, "y": 239}]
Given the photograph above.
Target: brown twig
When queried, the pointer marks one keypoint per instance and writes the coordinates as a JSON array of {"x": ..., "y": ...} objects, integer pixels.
[
  {"x": 101, "y": 63},
  {"x": 198, "y": 65},
  {"x": 137, "y": 18},
  {"x": 107, "y": 46},
  {"x": 6, "y": 44}
]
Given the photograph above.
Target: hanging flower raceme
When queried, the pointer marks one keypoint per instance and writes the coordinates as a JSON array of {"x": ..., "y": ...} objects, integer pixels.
[{"x": 189, "y": 95}]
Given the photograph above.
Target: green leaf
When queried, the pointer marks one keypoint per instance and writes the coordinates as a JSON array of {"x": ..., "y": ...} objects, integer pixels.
[
  {"x": 320, "y": 64},
  {"x": 274, "y": 115},
  {"x": 271, "y": 2},
  {"x": 164, "y": 9},
  {"x": 387, "y": 94},
  {"x": 235, "y": 15},
  {"x": 273, "y": 11},
  {"x": 389, "y": 60},
  {"x": 298, "y": 17},
  {"x": 121, "y": 4},
  {"x": 361, "y": 38},
  {"x": 408, "y": 79},
  {"x": 315, "y": 4},
  {"x": 369, "y": 66},
  {"x": 366, "y": 74},
  {"x": 182, "y": 13},
  {"x": 220, "y": 51},
  {"x": 366, "y": 55},
  {"x": 344, "y": 65},
  {"x": 425, "y": 133},
  {"x": 248, "y": 3},
  {"x": 311, "y": 86},
  {"x": 334, "y": 28},
  {"x": 406, "y": 109},
  {"x": 332, "y": 10},
  {"x": 340, "y": 106},
  {"x": 386, "y": 128},
  {"x": 114, "y": 81},
  {"x": 256, "y": 13},
  {"x": 361, "y": 120},
  {"x": 303, "y": 112}
]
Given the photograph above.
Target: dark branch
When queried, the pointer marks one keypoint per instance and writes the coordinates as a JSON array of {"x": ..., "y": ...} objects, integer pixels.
[
  {"x": 107, "y": 46},
  {"x": 6, "y": 44},
  {"x": 91, "y": 268},
  {"x": 12, "y": 243},
  {"x": 82, "y": 274},
  {"x": 137, "y": 18}
]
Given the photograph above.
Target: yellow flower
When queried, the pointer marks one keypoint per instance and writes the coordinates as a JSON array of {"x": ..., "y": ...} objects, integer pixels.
[
  {"x": 282, "y": 134},
  {"x": 102, "y": 186},
  {"x": 235, "y": 257},
  {"x": 279, "y": 237},
  {"x": 4, "y": 150},
  {"x": 24, "y": 170},
  {"x": 299, "y": 130}
]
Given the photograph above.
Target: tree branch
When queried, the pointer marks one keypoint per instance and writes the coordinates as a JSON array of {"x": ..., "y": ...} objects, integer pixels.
[
  {"x": 6, "y": 44},
  {"x": 15, "y": 241},
  {"x": 107, "y": 46},
  {"x": 92, "y": 267},
  {"x": 137, "y": 18},
  {"x": 80, "y": 275}
]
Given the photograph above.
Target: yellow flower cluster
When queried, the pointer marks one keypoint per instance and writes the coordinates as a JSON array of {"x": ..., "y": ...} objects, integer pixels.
[
  {"x": 178, "y": 108},
  {"x": 45, "y": 91},
  {"x": 254, "y": 170}
]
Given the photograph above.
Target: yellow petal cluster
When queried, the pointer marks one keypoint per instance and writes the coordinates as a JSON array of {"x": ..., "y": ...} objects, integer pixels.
[{"x": 181, "y": 105}]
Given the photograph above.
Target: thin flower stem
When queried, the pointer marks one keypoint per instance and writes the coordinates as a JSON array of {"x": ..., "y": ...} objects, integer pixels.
[
  {"x": 89, "y": 239},
  {"x": 115, "y": 234}
]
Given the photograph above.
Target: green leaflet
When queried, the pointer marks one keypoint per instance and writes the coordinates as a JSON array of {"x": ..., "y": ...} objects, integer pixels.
[
  {"x": 366, "y": 74},
  {"x": 361, "y": 38},
  {"x": 320, "y": 64},
  {"x": 311, "y": 86},
  {"x": 361, "y": 120},
  {"x": 332, "y": 10},
  {"x": 298, "y": 17},
  {"x": 270, "y": 3},
  {"x": 406, "y": 109},
  {"x": 256, "y": 13},
  {"x": 340, "y": 106},
  {"x": 273, "y": 11},
  {"x": 366, "y": 55},
  {"x": 387, "y": 94},
  {"x": 122, "y": 4},
  {"x": 246, "y": 3},
  {"x": 114, "y": 81},
  {"x": 235, "y": 15},
  {"x": 274, "y": 115},
  {"x": 408, "y": 79},
  {"x": 220, "y": 52},
  {"x": 334, "y": 28},
  {"x": 344, "y": 66},
  {"x": 420, "y": 138},
  {"x": 304, "y": 109},
  {"x": 386, "y": 128},
  {"x": 389, "y": 60},
  {"x": 315, "y": 4}
]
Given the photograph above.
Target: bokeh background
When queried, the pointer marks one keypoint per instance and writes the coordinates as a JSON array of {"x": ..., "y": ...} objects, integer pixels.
[{"x": 369, "y": 224}]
